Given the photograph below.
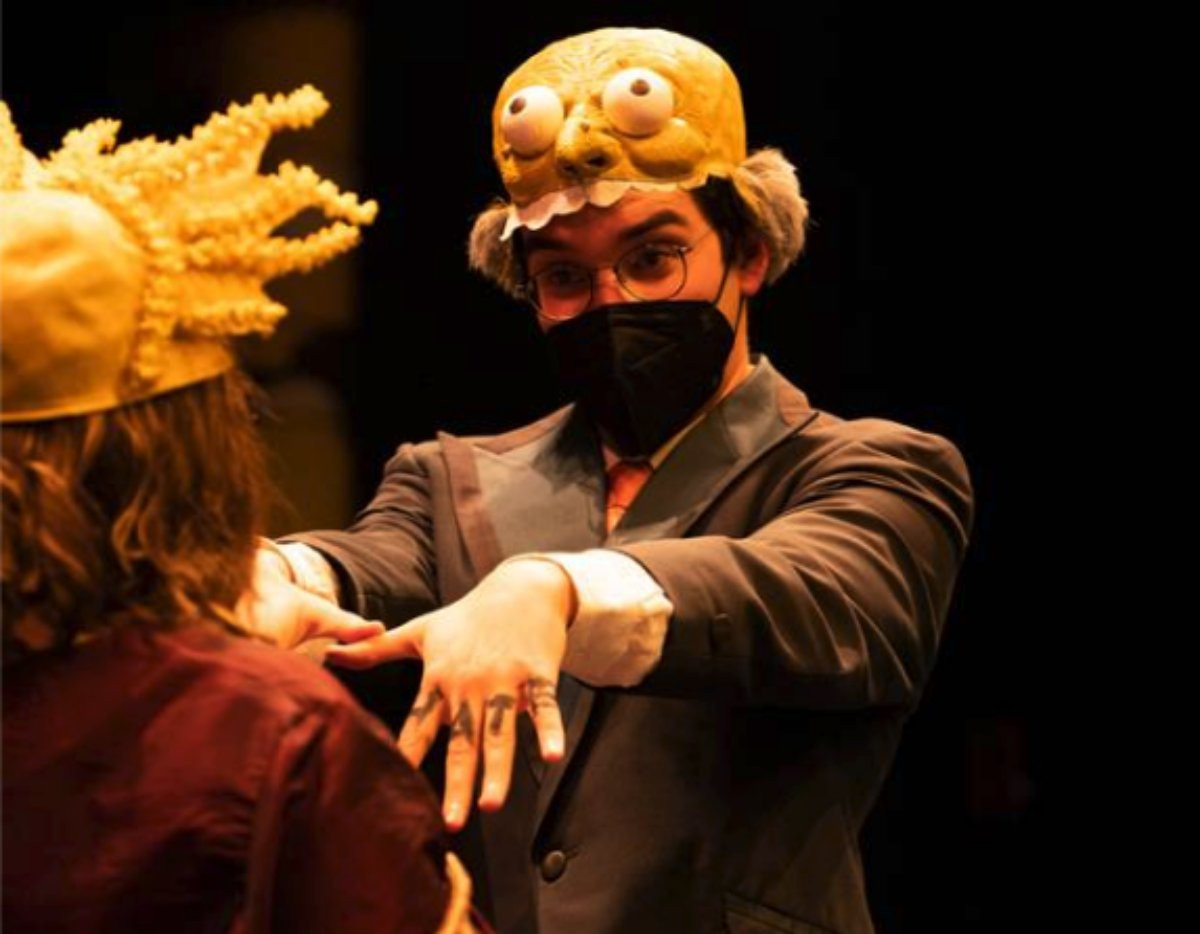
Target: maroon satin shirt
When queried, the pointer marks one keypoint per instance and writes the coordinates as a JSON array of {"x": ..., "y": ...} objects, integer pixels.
[{"x": 200, "y": 782}]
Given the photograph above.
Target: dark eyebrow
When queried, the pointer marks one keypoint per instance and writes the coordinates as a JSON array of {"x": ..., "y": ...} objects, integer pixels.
[
  {"x": 543, "y": 241},
  {"x": 653, "y": 222}
]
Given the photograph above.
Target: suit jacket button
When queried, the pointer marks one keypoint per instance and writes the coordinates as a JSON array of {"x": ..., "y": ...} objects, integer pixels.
[{"x": 554, "y": 864}]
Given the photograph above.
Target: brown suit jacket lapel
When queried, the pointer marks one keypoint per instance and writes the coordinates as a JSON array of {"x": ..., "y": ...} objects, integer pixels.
[{"x": 748, "y": 423}]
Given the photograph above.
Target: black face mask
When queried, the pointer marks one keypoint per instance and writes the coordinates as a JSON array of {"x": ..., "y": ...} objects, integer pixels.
[{"x": 641, "y": 370}]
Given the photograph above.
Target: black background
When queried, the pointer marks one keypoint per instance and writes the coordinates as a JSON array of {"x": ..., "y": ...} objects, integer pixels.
[{"x": 919, "y": 136}]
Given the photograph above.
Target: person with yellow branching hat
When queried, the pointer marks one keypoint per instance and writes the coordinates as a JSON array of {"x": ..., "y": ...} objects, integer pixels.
[
  {"x": 166, "y": 769},
  {"x": 675, "y": 628}
]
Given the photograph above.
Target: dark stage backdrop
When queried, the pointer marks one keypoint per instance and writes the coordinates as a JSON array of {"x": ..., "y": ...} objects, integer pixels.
[{"x": 914, "y": 302}]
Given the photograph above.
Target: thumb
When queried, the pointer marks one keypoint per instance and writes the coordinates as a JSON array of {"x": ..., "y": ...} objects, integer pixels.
[
  {"x": 329, "y": 621},
  {"x": 401, "y": 642}
]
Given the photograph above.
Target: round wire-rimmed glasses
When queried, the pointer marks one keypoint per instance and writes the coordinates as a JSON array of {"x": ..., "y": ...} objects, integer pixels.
[{"x": 651, "y": 271}]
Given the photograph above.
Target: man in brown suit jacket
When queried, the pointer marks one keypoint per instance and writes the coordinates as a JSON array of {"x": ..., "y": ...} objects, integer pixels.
[{"x": 716, "y": 604}]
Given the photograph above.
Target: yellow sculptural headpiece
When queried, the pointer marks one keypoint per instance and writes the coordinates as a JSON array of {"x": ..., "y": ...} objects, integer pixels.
[
  {"x": 594, "y": 116},
  {"x": 125, "y": 269},
  {"x": 590, "y": 116}
]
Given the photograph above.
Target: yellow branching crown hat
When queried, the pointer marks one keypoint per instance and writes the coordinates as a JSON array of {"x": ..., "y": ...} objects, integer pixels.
[
  {"x": 593, "y": 116},
  {"x": 125, "y": 269}
]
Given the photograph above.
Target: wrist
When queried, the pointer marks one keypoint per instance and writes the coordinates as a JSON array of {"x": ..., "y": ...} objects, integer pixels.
[
  {"x": 303, "y": 566},
  {"x": 545, "y": 575}
]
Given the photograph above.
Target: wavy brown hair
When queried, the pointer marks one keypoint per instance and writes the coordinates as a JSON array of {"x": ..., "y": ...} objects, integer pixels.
[{"x": 143, "y": 516}]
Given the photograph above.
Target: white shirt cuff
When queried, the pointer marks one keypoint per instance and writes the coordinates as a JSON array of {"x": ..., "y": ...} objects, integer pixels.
[
  {"x": 620, "y": 625},
  {"x": 310, "y": 570}
]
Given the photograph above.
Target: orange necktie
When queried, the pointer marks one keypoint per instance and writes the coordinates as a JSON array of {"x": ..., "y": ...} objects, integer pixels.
[{"x": 625, "y": 480}]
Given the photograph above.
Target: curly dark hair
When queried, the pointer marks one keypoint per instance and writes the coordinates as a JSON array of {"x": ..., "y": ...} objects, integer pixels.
[
  {"x": 726, "y": 212},
  {"x": 145, "y": 515}
]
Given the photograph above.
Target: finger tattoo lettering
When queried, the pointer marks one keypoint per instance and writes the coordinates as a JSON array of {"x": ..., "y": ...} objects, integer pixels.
[
  {"x": 421, "y": 711},
  {"x": 498, "y": 705},
  {"x": 464, "y": 723},
  {"x": 539, "y": 694}
]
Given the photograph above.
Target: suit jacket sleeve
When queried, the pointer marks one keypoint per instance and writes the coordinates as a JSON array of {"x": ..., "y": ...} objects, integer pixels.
[
  {"x": 385, "y": 561},
  {"x": 836, "y": 597}
]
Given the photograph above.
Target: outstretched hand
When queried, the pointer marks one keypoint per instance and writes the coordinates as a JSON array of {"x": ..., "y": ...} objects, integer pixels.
[{"x": 488, "y": 657}]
